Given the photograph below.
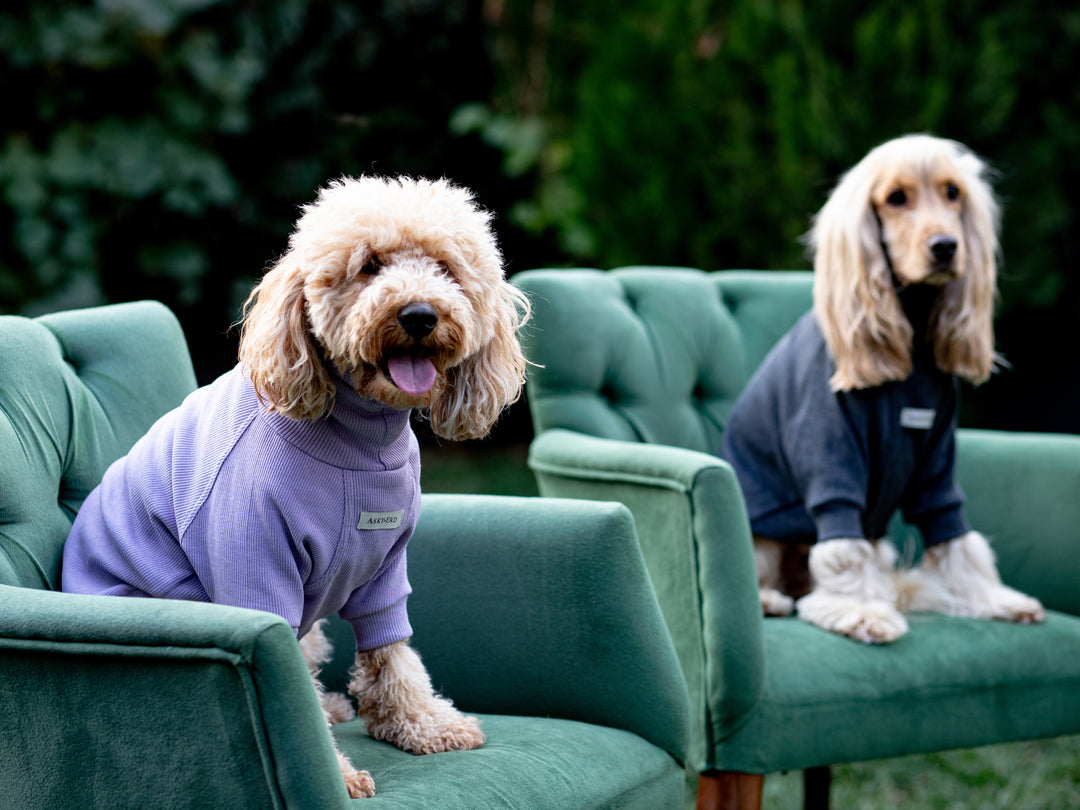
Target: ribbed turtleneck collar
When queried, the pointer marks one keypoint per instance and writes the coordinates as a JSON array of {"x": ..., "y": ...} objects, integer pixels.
[{"x": 358, "y": 433}]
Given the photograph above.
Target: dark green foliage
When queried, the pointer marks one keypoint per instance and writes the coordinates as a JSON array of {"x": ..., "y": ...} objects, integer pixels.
[
  {"x": 160, "y": 148},
  {"x": 708, "y": 133}
]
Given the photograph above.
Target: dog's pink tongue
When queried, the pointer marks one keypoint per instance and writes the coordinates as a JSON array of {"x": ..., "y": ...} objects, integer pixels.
[{"x": 413, "y": 375}]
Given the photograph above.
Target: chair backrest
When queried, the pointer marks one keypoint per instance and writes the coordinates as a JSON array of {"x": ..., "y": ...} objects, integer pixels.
[
  {"x": 652, "y": 354},
  {"x": 77, "y": 389}
]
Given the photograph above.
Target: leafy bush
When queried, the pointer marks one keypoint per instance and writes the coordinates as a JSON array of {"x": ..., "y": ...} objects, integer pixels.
[
  {"x": 707, "y": 133},
  {"x": 160, "y": 148}
]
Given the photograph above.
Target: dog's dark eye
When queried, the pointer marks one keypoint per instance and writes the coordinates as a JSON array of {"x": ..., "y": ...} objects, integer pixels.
[
  {"x": 371, "y": 267},
  {"x": 897, "y": 198},
  {"x": 952, "y": 193}
]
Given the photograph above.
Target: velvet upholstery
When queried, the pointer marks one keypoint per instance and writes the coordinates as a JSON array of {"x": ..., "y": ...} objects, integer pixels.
[
  {"x": 636, "y": 370},
  {"x": 538, "y": 614}
]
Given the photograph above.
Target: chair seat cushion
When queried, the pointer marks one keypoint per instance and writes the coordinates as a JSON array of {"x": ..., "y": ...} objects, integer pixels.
[
  {"x": 533, "y": 762},
  {"x": 952, "y": 683}
]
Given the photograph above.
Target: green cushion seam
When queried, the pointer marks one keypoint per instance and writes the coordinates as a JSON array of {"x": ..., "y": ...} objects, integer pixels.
[
  {"x": 936, "y": 693},
  {"x": 82, "y": 647},
  {"x": 608, "y": 475},
  {"x": 703, "y": 758},
  {"x": 259, "y": 730}
]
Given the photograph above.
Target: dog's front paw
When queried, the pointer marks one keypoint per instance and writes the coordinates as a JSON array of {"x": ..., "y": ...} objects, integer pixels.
[
  {"x": 868, "y": 622},
  {"x": 1012, "y": 606},
  {"x": 452, "y": 731},
  {"x": 359, "y": 783},
  {"x": 774, "y": 603},
  {"x": 878, "y": 623},
  {"x": 435, "y": 728}
]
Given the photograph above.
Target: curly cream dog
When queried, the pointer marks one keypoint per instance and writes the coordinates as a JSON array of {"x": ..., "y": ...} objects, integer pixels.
[
  {"x": 852, "y": 416},
  {"x": 291, "y": 484}
]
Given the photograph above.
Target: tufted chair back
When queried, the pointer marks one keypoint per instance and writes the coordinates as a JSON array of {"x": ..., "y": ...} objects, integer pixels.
[
  {"x": 77, "y": 389},
  {"x": 652, "y": 354}
]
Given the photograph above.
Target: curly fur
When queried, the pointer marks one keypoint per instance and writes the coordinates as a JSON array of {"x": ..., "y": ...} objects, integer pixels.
[
  {"x": 362, "y": 256},
  {"x": 427, "y": 242}
]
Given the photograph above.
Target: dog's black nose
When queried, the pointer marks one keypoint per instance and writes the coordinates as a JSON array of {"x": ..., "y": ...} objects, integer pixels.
[
  {"x": 942, "y": 248},
  {"x": 418, "y": 320}
]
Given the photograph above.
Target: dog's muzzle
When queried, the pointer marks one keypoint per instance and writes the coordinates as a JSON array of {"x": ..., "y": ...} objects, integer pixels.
[
  {"x": 942, "y": 249},
  {"x": 414, "y": 373},
  {"x": 418, "y": 320}
]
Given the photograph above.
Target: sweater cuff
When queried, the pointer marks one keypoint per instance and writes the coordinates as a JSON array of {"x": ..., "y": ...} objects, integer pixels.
[
  {"x": 941, "y": 526},
  {"x": 838, "y": 519},
  {"x": 384, "y": 627}
]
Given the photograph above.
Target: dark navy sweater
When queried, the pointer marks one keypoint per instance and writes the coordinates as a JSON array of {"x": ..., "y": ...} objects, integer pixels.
[{"x": 815, "y": 464}]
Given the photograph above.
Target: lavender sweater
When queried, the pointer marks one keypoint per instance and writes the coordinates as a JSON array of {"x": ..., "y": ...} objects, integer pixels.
[{"x": 224, "y": 502}]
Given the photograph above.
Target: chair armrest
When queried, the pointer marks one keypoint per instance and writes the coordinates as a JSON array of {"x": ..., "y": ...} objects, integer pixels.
[
  {"x": 538, "y": 607},
  {"x": 694, "y": 533},
  {"x": 156, "y": 703},
  {"x": 1023, "y": 492}
]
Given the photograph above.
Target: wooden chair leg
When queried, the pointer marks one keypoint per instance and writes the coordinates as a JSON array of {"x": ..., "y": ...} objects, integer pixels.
[
  {"x": 816, "y": 783},
  {"x": 729, "y": 790}
]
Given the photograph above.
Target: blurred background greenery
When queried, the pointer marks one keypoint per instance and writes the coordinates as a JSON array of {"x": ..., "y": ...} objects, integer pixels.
[{"x": 161, "y": 148}]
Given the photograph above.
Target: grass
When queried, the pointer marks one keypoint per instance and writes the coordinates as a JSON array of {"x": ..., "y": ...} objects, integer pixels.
[{"x": 1035, "y": 775}]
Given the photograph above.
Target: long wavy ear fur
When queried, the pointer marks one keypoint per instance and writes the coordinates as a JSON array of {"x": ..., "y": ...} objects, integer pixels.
[
  {"x": 856, "y": 307},
  {"x": 277, "y": 350},
  {"x": 479, "y": 388},
  {"x": 964, "y": 322}
]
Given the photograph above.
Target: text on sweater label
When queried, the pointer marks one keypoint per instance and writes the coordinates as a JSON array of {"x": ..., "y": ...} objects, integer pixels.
[{"x": 381, "y": 520}]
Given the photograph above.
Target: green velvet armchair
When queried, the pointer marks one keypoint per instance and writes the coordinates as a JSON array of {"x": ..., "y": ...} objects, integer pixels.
[
  {"x": 538, "y": 616},
  {"x": 636, "y": 371}
]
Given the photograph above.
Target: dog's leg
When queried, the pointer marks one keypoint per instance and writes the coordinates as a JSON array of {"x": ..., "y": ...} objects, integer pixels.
[
  {"x": 396, "y": 701},
  {"x": 336, "y": 708},
  {"x": 960, "y": 578},
  {"x": 768, "y": 558},
  {"x": 852, "y": 594},
  {"x": 318, "y": 651}
]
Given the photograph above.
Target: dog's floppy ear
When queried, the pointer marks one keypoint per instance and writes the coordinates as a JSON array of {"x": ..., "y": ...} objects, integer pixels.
[
  {"x": 855, "y": 304},
  {"x": 964, "y": 321},
  {"x": 276, "y": 347},
  {"x": 478, "y": 388}
]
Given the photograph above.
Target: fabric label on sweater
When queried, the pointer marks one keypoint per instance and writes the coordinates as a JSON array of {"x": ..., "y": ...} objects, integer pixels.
[
  {"x": 381, "y": 520},
  {"x": 917, "y": 418}
]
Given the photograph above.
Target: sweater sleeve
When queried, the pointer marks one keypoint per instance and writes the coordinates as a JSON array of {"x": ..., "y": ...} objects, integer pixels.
[
  {"x": 824, "y": 444},
  {"x": 377, "y": 609}
]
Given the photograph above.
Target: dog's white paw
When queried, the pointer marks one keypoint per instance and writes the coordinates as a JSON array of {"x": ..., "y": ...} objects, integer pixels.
[
  {"x": 1009, "y": 605},
  {"x": 879, "y": 623},
  {"x": 960, "y": 578},
  {"x": 868, "y": 622},
  {"x": 774, "y": 603}
]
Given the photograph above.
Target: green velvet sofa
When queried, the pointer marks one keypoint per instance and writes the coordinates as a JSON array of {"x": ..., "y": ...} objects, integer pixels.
[
  {"x": 538, "y": 616},
  {"x": 636, "y": 370}
]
